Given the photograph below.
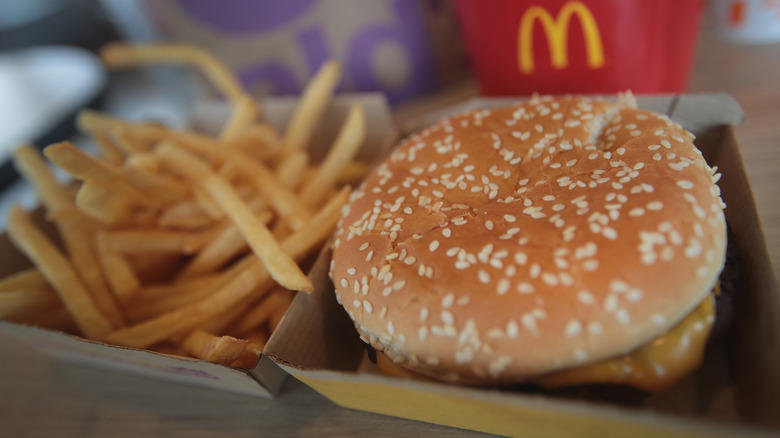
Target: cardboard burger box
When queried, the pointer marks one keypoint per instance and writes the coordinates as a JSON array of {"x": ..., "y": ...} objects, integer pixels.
[
  {"x": 265, "y": 379},
  {"x": 732, "y": 394}
]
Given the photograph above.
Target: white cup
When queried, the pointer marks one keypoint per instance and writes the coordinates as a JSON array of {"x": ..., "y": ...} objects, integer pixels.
[{"x": 748, "y": 21}]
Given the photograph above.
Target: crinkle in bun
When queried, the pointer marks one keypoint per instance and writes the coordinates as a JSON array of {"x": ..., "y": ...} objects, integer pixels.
[{"x": 503, "y": 244}]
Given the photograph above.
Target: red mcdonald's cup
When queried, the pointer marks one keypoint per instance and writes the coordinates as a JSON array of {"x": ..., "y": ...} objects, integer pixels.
[{"x": 580, "y": 46}]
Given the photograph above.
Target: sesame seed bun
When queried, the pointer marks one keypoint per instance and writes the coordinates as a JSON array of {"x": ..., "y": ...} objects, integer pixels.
[{"x": 507, "y": 243}]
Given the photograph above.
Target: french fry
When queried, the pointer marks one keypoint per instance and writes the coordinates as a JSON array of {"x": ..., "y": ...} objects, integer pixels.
[
  {"x": 128, "y": 143},
  {"x": 309, "y": 110},
  {"x": 251, "y": 355},
  {"x": 189, "y": 317},
  {"x": 282, "y": 268},
  {"x": 94, "y": 122},
  {"x": 90, "y": 169},
  {"x": 257, "y": 339},
  {"x": 353, "y": 173},
  {"x": 23, "y": 303},
  {"x": 107, "y": 149},
  {"x": 151, "y": 268},
  {"x": 224, "y": 247},
  {"x": 60, "y": 273},
  {"x": 280, "y": 198},
  {"x": 119, "y": 55},
  {"x": 30, "y": 278},
  {"x": 290, "y": 172},
  {"x": 167, "y": 230},
  {"x": 58, "y": 319},
  {"x": 148, "y": 162},
  {"x": 75, "y": 229},
  {"x": 220, "y": 349},
  {"x": 155, "y": 300},
  {"x": 152, "y": 240},
  {"x": 119, "y": 274},
  {"x": 167, "y": 189},
  {"x": 207, "y": 203},
  {"x": 342, "y": 152},
  {"x": 251, "y": 283},
  {"x": 261, "y": 312},
  {"x": 260, "y": 140},
  {"x": 245, "y": 111},
  {"x": 96, "y": 202},
  {"x": 29, "y": 163},
  {"x": 185, "y": 214}
]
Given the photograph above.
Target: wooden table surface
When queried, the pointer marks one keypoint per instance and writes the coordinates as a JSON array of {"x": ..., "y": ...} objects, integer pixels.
[{"x": 42, "y": 397}]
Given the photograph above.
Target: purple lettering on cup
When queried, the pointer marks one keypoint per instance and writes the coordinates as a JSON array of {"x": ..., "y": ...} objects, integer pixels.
[
  {"x": 277, "y": 78},
  {"x": 408, "y": 34},
  {"x": 241, "y": 17}
]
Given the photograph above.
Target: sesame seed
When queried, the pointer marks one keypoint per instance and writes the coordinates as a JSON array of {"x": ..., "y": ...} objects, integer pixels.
[
  {"x": 623, "y": 317},
  {"x": 433, "y": 246},
  {"x": 462, "y": 264},
  {"x": 610, "y": 233},
  {"x": 685, "y": 184},
  {"x": 503, "y": 286},
  {"x": 422, "y": 333},
  {"x": 590, "y": 265},
  {"x": 611, "y": 303},
  {"x": 573, "y": 328},
  {"x": 594, "y": 328},
  {"x": 525, "y": 288},
  {"x": 634, "y": 295},
  {"x": 484, "y": 277},
  {"x": 655, "y": 205},
  {"x": 585, "y": 297},
  {"x": 549, "y": 279},
  {"x": 529, "y": 322}
]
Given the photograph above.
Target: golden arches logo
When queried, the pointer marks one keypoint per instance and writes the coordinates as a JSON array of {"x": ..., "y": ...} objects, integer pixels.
[{"x": 557, "y": 31}]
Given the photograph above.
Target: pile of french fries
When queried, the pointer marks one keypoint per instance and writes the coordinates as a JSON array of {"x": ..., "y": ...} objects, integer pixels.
[{"x": 177, "y": 241}]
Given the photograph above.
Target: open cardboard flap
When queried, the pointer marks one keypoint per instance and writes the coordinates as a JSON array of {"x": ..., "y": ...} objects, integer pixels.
[
  {"x": 266, "y": 379},
  {"x": 732, "y": 394}
]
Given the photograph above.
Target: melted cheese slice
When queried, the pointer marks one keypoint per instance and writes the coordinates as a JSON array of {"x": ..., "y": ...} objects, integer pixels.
[{"x": 654, "y": 366}]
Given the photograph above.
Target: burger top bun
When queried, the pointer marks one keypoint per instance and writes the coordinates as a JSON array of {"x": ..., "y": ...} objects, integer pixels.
[{"x": 505, "y": 243}]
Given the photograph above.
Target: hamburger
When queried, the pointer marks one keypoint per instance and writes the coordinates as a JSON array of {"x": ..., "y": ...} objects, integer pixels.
[{"x": 559, "y": 241}]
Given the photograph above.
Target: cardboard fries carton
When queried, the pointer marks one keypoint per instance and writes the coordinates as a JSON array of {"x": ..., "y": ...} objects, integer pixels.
[
  {"x": 732, "y": 394},
  {"x": 265, "y": 379}
]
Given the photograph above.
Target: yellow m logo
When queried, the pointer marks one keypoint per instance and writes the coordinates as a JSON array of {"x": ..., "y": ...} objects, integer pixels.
[{"x": 557, "y": 32}]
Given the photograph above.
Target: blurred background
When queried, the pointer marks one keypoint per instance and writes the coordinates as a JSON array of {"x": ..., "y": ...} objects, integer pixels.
[{"x": 421, "y": 54}]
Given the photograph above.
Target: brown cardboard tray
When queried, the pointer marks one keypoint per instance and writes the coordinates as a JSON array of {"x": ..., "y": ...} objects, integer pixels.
[{"x": 732, "y": 394}]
